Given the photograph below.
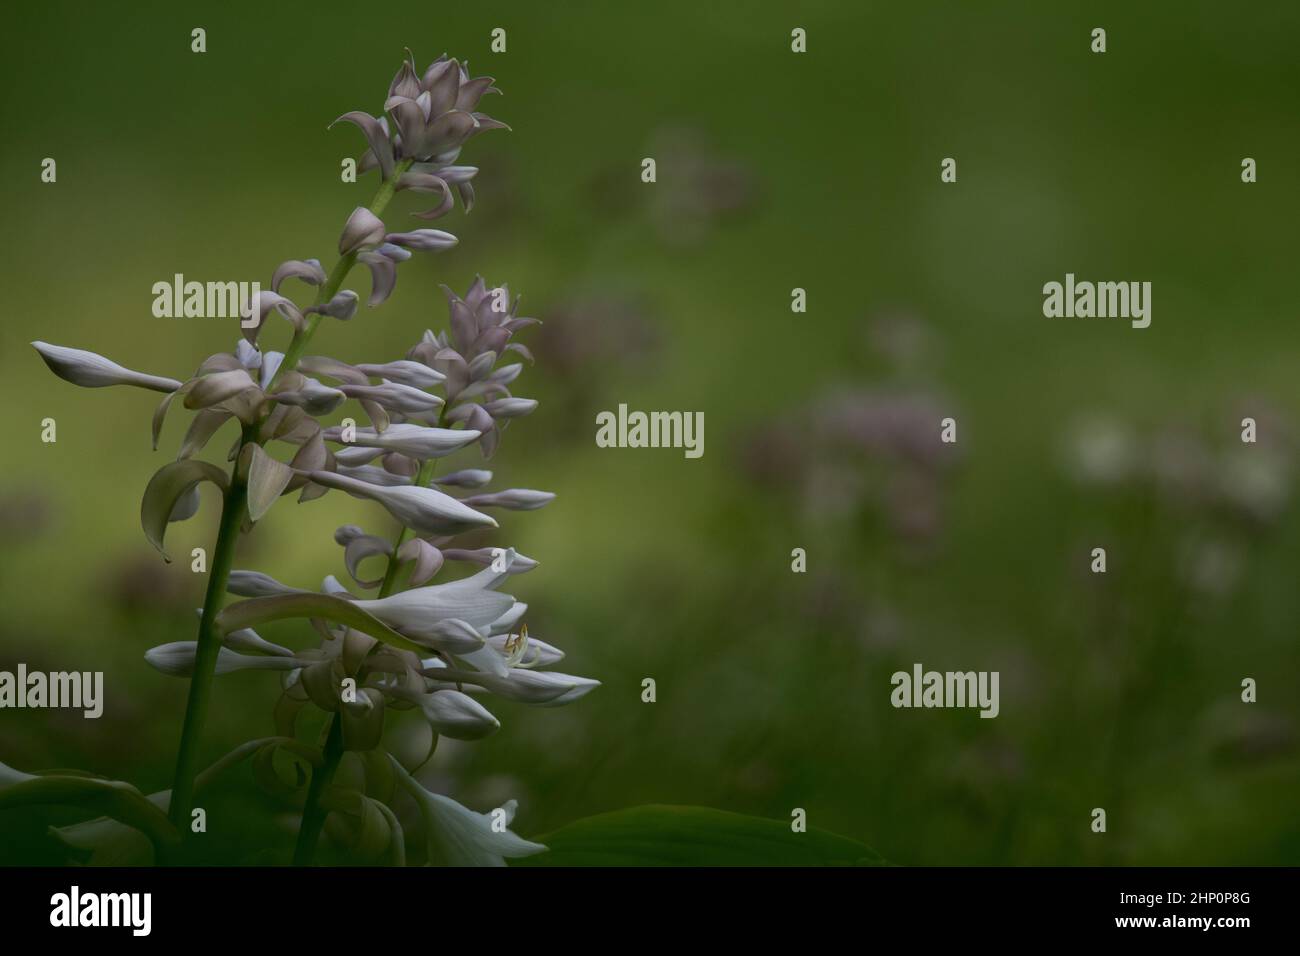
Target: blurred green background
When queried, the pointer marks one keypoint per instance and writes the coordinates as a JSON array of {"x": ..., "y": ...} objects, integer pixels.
[{"x": 775, "y": 171}]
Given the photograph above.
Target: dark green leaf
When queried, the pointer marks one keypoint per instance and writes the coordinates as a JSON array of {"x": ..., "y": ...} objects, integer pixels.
[{"x": 658, "y": 835}]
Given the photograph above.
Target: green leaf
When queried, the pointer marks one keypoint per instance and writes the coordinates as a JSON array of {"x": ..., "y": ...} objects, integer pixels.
[
  {"x": 109, "y": 798},
  {"x": 307, "y": 604},
  {"x": 267, "y": 479},
  {"x": 166, "y": 487},
  {"x": 660, "y": 835}
]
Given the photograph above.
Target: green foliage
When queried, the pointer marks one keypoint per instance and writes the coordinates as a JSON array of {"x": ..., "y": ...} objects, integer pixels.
[{"x": 658, "y": 835}]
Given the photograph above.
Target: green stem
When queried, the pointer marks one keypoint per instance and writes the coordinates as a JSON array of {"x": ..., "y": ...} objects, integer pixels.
[
  {"x": 233, "y": 510},
  {"x": 313, "y": 814},
  {"x": 334, "y": 281}
]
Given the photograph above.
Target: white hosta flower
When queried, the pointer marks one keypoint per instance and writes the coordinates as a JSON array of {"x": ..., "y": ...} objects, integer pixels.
[
  {"x": 177, "y": 659},
  {"x": 94, "y": 371},
  {"x": 417, "y": 441},
  {"x": 420, "y": 612},
  {"x": 424, "y": 510},
  {"x": 459, "y": 610},
  {"x": 461, "y": 837}
]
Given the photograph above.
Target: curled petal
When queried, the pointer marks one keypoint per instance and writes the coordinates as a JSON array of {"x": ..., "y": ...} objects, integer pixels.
[
  {"x": 360, "y": 548},
  {"x": 264, "y": 302},
  {"x": 376, "y": 136},
  {"x": 308, "y": 270},
  {"x": 383, "y": 276},
  {"x": 427, "y": 558}
]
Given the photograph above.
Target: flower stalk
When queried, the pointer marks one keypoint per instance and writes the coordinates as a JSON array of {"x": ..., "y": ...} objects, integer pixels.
[{"x": 232, "y": 514}]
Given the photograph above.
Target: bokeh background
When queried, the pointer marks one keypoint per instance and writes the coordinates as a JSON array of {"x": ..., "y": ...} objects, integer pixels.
[{"x": 775, "y": 171}]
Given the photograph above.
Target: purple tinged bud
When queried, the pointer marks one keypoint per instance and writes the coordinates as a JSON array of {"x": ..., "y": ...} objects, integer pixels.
[{"x": 424, "y": 240}]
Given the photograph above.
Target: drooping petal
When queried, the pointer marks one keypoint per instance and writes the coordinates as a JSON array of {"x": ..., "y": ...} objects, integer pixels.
[{"x": 383, "y": 276}]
